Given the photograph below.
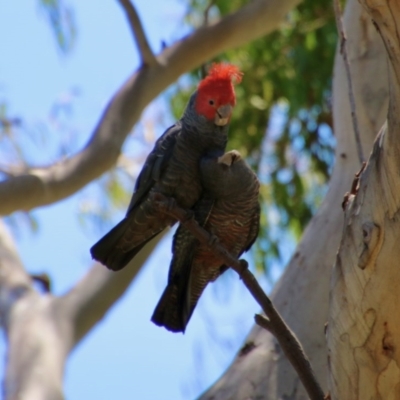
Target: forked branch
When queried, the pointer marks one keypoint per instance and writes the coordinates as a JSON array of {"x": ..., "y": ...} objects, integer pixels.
[
  {"x": 274, "y": 322},
  {"x": 135, "y": 24}
]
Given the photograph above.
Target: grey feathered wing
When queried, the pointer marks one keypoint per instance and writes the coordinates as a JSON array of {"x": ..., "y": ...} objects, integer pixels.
[{"x": 107, "y": 249}]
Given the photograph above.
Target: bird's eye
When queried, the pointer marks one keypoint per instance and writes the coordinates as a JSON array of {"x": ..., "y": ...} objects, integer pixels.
[{"x": 211, "y": 102}]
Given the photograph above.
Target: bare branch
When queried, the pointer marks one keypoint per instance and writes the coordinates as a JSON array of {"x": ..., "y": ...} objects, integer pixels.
[
  {"x": 53, "y": 183},
  {"x": 206, "y": 21},
  {"x": 92, "y": 297},
  {"x": 14, "y": 170},
  {"x": 286, "y": 338},
  {"x": 135, "y": 24},
  {"x": 343, "y": 52},
  {"x": 13, "y": 278}
]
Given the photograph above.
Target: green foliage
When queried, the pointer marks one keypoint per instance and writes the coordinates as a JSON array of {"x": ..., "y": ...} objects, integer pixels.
[
  {"x": 62, "y": 22},
  {"x": 287, "y": 78}
]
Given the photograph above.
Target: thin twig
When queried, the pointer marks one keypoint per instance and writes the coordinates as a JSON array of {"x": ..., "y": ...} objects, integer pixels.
[
  {"x": 264, "y": 323},
  {"x": 343, "y": 52},
  {"x": 206, "y": 20},
  {"x": 142, "y": 43},
  {"x": 275, "y": 324}
]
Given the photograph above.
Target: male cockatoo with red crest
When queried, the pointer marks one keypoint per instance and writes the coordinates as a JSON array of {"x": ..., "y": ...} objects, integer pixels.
[{"x": 172, "y": 167}]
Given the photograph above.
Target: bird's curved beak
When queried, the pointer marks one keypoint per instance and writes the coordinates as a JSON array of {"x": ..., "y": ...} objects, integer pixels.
[{"x": 223, "y": 115}]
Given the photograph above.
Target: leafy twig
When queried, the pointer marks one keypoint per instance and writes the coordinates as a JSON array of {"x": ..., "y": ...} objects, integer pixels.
[
  {"x": 274, "y": 322},
  {"x": 142, "y": 43},
  {"x": 343, "y": 52}
]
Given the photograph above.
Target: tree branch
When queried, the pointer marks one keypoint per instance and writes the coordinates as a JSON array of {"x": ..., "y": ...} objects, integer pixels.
[
  {"x": 275, "y": 324},
  {"x": 14, "y": 281},
  {"x": 89, "y": 300},
  {"x": 36, "y": 351},
  {"x": 343, "y": 52},
  {"x": 51, "y": 325},
  {"x": 135, "y": 24},
  {"x": 384, "y": 15},
  {"x": 53, "y": 183},
  {"x": 264, "y": 323}
]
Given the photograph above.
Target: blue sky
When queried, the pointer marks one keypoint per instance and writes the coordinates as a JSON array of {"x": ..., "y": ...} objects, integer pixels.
[{"x": 125, "y": 356}]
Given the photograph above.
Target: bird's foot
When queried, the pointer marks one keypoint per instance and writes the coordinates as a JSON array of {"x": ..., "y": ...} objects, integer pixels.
[{"x": 244, "y": 266}]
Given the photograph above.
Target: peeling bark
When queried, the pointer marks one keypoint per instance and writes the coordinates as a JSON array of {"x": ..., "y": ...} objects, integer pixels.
[{"x": 364, "y": 328}]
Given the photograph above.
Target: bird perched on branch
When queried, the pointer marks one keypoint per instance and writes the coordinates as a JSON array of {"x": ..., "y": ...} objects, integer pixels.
[
  {"x": 172, "y": 167},
  {"x": 229, "y": 210}
]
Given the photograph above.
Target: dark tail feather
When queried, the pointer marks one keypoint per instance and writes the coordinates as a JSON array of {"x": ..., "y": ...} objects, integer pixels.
[
  {"x": 174, "y": 309},
  {"x": 170, "y": 311},
  {"x": 176, "y": 306},
  {"x": 107, "y": 252}
]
